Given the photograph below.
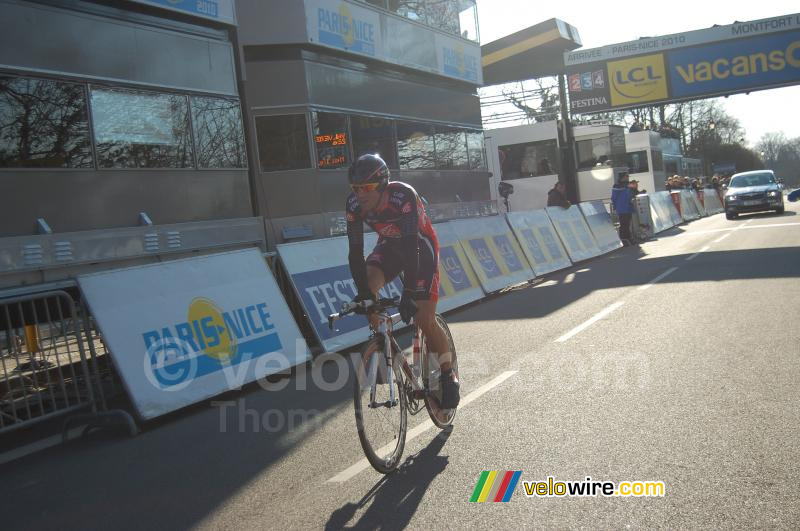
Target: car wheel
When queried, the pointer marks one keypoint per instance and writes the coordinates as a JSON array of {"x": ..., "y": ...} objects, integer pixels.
[
  {"x": 731, "y": 215},
  {"x": 779, "y": 210}
]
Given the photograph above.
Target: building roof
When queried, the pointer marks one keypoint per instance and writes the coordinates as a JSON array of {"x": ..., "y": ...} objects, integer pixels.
[{"x": 536, "y": 51}]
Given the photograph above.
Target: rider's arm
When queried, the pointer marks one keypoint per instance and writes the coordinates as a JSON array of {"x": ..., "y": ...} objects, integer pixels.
[
  {"x": 355, "y": 237},
  {"x": 409, "y": 243}
]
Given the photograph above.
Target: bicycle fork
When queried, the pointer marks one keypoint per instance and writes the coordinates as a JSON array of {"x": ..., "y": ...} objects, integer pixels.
[{"x": 373, "y": 376}]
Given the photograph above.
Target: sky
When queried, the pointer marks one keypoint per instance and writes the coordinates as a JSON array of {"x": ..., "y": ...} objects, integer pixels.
[{"x": 604, "y": 23}]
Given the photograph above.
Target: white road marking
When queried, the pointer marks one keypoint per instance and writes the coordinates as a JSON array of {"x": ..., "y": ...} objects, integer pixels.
[
  {"x": 580, "y": 328},
  {"x": 704, "y": 249},
  {"x": 569, "y": 278},
  {"x": 38, "y": 446},
  {"x": 418, "y": 430},
  {"x": 721, "y": 238},
  {"x": 658, "y": 278},
  {"x": 770, "y": 226}
]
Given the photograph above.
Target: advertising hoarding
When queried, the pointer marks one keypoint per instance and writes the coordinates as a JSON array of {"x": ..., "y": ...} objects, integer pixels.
[
  {"x": 722, "y": 60},
  {"x": 186, "y": 330},
  {"x": 219, "y": 10}
]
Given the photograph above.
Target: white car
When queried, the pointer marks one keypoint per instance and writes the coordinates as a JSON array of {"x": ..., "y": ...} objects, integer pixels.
[{"x": 753, "y": 191}]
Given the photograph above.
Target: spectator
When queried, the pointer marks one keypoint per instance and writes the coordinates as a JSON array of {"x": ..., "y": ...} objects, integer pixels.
[
  {"x": 634, "y": 186},
  {"x": 621, "y": 200},
  {"x": 557, "y": 196}
]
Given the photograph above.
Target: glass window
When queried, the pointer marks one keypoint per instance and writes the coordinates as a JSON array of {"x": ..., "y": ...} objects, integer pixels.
[
  {"x": 442, "y": 14},
  {"x": 451, "y": 148},
  {"x": 218, "y": 133},
  {"x": 141, "y": 129},
  {"x": 468, "y": 20},
  {"x": 374, "y": 135},
  {"x": 43, "y": 124},
  {"x": 282, "y": 142},
  {"x": 672, "y": 164},
  {"x": 637, "y": 162},
  {"x": 533, "y": 159},
  {"x": 476, "y": 150},
  {"x": 415, "y": 146},
  {"x": 594, "y": 152},
  {"x": 617, "y": 143},
  {"x": 411, "y": 9},
  {"x": 330, "y": 139},
  {"x": 658, "y": 160}
]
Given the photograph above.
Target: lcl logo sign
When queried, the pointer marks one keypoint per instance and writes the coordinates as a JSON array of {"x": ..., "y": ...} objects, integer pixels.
[
  {"x": 638, "y": 80},
  {"x": 636, "y": 75}
]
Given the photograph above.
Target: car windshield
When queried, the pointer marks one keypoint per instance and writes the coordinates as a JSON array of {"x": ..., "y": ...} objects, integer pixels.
[{"x": 755, "y": 179}]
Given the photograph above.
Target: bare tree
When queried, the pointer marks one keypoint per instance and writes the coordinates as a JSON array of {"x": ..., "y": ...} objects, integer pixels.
[{"x": 540, "y": 104}]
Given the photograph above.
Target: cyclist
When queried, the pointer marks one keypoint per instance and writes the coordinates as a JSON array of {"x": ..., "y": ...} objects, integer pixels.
[{"x": 407, "y": 243}]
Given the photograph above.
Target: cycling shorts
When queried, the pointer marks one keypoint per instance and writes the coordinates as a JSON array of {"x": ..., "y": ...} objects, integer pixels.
[{"x": 387, "y": 257}]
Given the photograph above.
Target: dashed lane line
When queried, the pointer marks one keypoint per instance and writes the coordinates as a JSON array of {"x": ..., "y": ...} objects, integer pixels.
[
  {"x": 586, "y": 324},
  {"x": 418, "y": 430}
]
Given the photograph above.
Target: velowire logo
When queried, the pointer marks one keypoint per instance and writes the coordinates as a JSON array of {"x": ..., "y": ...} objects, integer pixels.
[{"x": 495, "y": 486}]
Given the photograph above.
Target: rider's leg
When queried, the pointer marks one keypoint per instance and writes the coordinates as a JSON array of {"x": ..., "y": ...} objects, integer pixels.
[
  {"x": 434, "y": 335},
  {"x": 375, "y": 280}
]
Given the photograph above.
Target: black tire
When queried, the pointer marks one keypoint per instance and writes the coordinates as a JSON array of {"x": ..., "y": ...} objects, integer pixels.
[
  {"x": 379, "y": 427},
  {"x": 731, "y": 215},
  {"x": 442, "y": 418},
  {"x": 780, "y": 210}
]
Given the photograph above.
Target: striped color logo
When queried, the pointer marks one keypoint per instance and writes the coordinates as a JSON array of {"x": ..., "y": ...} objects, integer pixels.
[{"x": 495, "y": 486}]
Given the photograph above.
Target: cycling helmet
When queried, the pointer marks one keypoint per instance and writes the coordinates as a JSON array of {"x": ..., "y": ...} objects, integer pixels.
[{"x": 369, "y": 169}]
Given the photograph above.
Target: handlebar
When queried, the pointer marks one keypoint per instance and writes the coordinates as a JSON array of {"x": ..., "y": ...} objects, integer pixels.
[{"x": 363, "y": 308}]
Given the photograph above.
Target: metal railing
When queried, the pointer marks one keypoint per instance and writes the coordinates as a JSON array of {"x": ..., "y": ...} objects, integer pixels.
[
  {"x": 43, "y": 366},
  {"x": 53, "y": 362}
]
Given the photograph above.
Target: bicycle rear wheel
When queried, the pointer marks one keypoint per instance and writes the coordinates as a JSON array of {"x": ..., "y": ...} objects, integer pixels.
[
  {"x": 443, "y": 418},
  {"x": 381, "y": 424}
]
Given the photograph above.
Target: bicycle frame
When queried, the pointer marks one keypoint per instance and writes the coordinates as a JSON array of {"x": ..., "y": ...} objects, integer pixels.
[{"x": 385, "y": 324}]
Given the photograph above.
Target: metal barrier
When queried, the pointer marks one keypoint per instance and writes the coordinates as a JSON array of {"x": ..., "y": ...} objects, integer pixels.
[{"x": 44, "y": 367}]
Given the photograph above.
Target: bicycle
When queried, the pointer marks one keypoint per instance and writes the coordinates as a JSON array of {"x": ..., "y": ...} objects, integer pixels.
[{"x": 387, "y": 388}]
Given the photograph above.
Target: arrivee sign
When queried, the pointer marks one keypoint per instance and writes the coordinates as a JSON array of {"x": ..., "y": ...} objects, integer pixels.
[{"x": 722, "y": 60}]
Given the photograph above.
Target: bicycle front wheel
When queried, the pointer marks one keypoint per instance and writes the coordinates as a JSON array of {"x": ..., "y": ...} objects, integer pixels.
[
  {"x": 380, "y": 417},
  {"x": 443, "y": 418}
]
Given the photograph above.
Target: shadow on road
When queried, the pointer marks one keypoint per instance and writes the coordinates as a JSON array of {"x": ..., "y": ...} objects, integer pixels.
[
  {"x": 629, "y": 267},
  {"x": 392, "y": 502},
  {"x": 182, "y": 466}
]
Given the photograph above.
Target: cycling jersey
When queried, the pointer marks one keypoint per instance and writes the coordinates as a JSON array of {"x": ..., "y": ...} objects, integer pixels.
[{"x": 406, "y": 241}]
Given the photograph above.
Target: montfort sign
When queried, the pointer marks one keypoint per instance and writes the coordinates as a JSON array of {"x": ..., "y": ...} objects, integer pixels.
[{"x": 721, "y": 60}]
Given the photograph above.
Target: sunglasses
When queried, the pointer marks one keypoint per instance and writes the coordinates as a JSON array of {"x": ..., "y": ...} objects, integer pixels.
[{"x": 365, "y": 187}]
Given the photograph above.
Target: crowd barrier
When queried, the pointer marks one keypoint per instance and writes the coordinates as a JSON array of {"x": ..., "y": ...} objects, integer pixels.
[
  {"x": 320, "y": 274},
  {"x": 192, "y": 325},
  {"x": 458, "y": 283},
  {"x": 686, "y": 206},
  {"x": 539, "y": 241},
  {"x": 643, "y": 216},
  {"x": 601, "y": 225},
  {"x": 574, "y": 232},
  {"x": 711, "y": 202},
  {"x": 493, "y": 252},
  {"x": 694, "y": 199},
  {"x": 665, "y": 213}
]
